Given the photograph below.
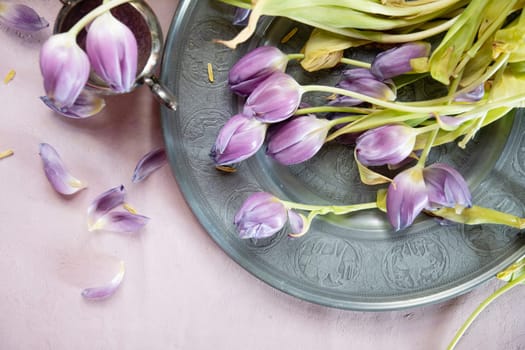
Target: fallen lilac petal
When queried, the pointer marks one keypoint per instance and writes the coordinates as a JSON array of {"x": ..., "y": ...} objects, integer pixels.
[
  {"x": 240, "y": 138},
  {"x": 120, "y": 221},
  {"x": 406, "y": 198},
  {"x": 261, "y": 215},
  {"x": 61, "y": 180},
  {"x": 112, "y": 50},
  {"x": 65, "y": 68},
  {"x": 446, "y": 187},
  {"x": 103, "y": 292},
  {"x": 21, "y": 17},
  {"x": 104, "y": 203},
  {"x": 86, "y": 105},
  {"x": 149, "y": 163},
  {"x": 275, "y": 99}
]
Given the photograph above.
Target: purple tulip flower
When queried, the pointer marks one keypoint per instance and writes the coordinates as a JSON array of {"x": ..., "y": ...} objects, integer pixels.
[
  {"x": 261, "y": 215},
  {"x": 298, "y": 139},
  {"x": 446, "y": 187},
  {"x": 255, "y": 67},
  {"x": 406, "y": 197},
  {"x": 416, "y": 189},
  {"x": 112, "y": 51},
  {"x": 21, "y": 17},
  {"x": 65, "y": 69},
  {"x": 363, "y": 81},
  {"x": 387, "y": 144},
  {"x": 396, "y": 61},
  {"x": 240, "y": 138},
  {"x": 275, "y": 99}
]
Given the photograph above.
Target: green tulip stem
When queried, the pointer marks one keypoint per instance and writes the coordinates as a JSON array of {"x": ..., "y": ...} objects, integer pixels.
[
  {"x": 334, "y": 109},
  {"x": 97, "y": 11},
  {"x": 428, "y": 147},
  {"x": 330, "y": 209},
  {"x": 442, "y": 109},
  {"x": 482, "y": 306},
  {"x": 355, "y": 63}
]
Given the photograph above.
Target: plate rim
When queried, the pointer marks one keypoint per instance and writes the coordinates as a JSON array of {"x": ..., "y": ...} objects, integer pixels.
[{"x": 172, "y": 39}]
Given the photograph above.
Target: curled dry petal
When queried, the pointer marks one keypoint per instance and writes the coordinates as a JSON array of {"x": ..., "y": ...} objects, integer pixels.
[
  {"x": 150, "y": 162},
  {"x": 65, "y": 69},
  {"x": 240, "y": 138},
  {"x": 104, "y": 203},
  {"x": 102, "y": 292},
  {"x": 21, "y": 17},
  {"x": 406, "y": 198},
  {"x": 112, "y": 51},
  {"x": 261, "y": 215},
  {"x": 275, "y": 99},
  {"x": 120, "y": 221},
  {"x": 61, "y": 180},
  {"x": 86, "y": 105}
]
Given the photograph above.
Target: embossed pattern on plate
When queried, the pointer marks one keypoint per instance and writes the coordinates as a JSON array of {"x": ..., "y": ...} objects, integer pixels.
[{"x": 347, "y": 262}]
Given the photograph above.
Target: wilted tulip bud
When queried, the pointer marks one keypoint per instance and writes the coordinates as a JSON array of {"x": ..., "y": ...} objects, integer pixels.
[
  {"x": 446, "y": 187},
  {"x": 21, "y": 17},
  {"x": 298, "y": 139},
  {"x": 112, "y": 51},
  {"x": 415, "y": 189},
  {"x": 363, "y": 81},
  {"x": 275, "y": 99},
  {"x": 406, "y": 198},
  {"x": 65, "y": 69},
  {"x": 255, "y": 67},
  {"x": 397, "y": 61},
  {"x": 388, "y": 144},
  {"x": 261, "y": 215},
  {"x": 240, "y": 138}
]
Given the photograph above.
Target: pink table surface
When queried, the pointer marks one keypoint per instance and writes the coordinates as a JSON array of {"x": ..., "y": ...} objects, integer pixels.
[{"x": 180, "y": 290}]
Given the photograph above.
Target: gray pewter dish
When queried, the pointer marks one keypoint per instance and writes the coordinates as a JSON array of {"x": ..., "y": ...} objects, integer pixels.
[{"x": 352, "y": 262}]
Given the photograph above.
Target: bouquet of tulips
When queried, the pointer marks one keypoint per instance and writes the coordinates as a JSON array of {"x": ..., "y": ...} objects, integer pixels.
[
  {"x": 479, "y": 58},
  {"x": 110, "y": 53}
]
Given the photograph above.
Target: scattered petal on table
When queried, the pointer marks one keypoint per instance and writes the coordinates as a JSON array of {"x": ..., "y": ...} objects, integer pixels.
[
  {"x": 61, "y": 180},
  {"x": 104, "y": 203},
  {"x": 102, "y": 292},
  {"x": 86, "y": 105},
  {"x": 120, "y": 221},
  {"x": 148, "y": 164},
  {"x": 21, "y": 17}
]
